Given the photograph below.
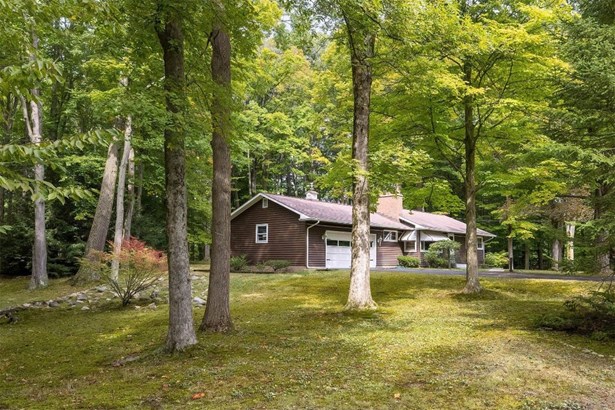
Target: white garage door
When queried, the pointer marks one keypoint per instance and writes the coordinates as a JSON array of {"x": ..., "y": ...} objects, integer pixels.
[{"x": 338, "y": 251}]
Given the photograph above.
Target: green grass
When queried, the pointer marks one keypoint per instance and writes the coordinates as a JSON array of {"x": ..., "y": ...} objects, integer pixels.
[
  {"x": 14, "y": 291},
  {"x": 426, "y": 347}
]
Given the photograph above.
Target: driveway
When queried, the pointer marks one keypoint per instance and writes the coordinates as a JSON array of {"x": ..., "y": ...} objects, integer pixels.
[{"x": 496, "y": 273}]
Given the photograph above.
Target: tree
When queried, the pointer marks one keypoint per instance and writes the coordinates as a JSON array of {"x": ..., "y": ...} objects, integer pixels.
[
  {"x": 361, "y": 41},
  {"x": 217, "y": 316},
  {"x": 169, "y": 29}
]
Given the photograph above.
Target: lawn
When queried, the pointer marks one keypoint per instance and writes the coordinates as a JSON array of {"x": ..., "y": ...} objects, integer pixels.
[{"x": 427, "y": 347}]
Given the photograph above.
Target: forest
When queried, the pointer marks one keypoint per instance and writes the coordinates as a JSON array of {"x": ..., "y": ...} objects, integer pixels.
[{"x": 136, "y": 128}]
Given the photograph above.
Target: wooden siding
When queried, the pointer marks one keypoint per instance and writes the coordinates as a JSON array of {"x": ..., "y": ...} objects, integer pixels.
[
  {"x": 286, "y": 234},
  {"x": 387, "y": 252}
]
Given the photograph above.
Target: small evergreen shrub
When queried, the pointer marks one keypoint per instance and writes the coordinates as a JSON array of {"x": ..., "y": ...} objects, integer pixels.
[
  {"x": 408, "y": 261},
  {"x": 592, "y": 315},
  {"x": 278, "y": 264},
  {"x": 434, "y": 260},
  {"x": 441, "y": 254},
  {"x": 239, "y": 263},
  {"x": 496, "y": 260}
]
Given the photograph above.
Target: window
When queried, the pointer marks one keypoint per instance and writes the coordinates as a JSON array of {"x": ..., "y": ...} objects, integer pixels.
[
  {"x": 410, "y": 246},
  {"x": 262, "y": 233},
  {"x": 425, "y": 245},
  {"x": 265, "y": 203},
  {"x": 390, "y": 236},
  {"x": 479, "y": 243}
]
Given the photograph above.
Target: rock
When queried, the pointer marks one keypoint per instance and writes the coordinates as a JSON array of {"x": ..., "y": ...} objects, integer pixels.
[
  {"x": 80, "y": 301},
  {"x": 137, "y": 307},
  {"x": 152, "y": 306},
  {"x": 82, "y": 296},
  {"x": 199, "y": 301},
  {"x": 26, "y": 305},
  {"x": 53, "y": 304},
  {"x": 101, "y": 288},
  {"x": 85, "y": 308},
  {"x": 154, "y": 295}
]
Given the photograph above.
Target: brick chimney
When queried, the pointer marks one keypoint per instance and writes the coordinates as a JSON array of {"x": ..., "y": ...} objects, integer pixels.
[{"x": 390, "y": 205}]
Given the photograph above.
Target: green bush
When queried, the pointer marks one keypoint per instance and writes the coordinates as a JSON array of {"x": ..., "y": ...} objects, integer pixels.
[
  {"x": 592, "y": 315},
  {"x": 496, "y": 260},
  {"x": 434, "y": 260},
  {"x": 238, "y": 263},
  {"x": 408, "y": 261},
  {"x": 278, "y": 264}
]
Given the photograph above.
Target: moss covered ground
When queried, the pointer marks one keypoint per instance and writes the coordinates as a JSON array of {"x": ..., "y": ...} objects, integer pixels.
[{"x": 426, "y": 347}]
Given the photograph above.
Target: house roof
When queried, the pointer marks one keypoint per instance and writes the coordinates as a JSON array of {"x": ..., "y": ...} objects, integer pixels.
[
  {"x": 312, "y": 210},
  {"x": 435, "y": 222}
]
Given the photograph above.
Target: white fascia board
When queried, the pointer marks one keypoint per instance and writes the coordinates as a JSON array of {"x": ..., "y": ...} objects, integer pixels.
[
  {"x": 261, "y": 195},
  {"x": 416, "y": 226}
]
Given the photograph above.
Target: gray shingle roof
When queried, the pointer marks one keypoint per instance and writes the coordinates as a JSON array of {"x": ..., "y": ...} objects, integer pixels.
[
  {"x": 435, "y": 222},
  {"x": 330, "y": 212}
]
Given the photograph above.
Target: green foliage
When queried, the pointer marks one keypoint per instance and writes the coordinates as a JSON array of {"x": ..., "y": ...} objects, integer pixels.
[
  {"x": 278, "y": 264},
  {"x": 496, "y": 259},
  {"x": 441, "y": 254},
  {"x": 592, "y": 315},
  {"x": 408, "y": 261},
  {"x": 239, "y": 263}
]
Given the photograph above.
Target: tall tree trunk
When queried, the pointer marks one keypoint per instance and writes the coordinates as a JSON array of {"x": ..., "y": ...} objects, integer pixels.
[
  {"x": 526, "y": 256},
  {"x": 131, "y": 195},
  {"x": 217, "y": 316},
  {"x": 541, "y": 255},
  {"x": 511, "y": 254},
  {"x": 556, "y": 253},
  {"x": 570, "y": 229},
  {"x": 472, "y": 282},
  {"x": 139, "y": 193},
  {"x": 602, "y": 239},
  {"x": 359, "y": 294},
  {"x": 102, "y": 217},
  {"x": 118, "y": 234},
  {"x": 32, "y": 112},
  {"x": 181, "y": 329}
]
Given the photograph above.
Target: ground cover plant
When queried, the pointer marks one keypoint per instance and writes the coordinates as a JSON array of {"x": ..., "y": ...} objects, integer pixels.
[{"x": 427, "y": 346}]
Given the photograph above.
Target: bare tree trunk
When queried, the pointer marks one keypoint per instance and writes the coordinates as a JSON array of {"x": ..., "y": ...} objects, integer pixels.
[
  {"x": 556, "y": 253},
  {"x": 511, "y": 255},
  {"x": 570, "y": 229},
  {"x": 102, "y": 217},
  {"x": 32, "y": 113},
  {"x": 217, "y": 316},
  {"x": 541, "y": 256},
  {"x": 362, "y": 48},
  {"x": 1, "y": 206},
  {"x": 131, "y": 195},
  {"x": 139, "y": 194},
  {"x": 181, "y": 329},
  {"x": 118, "y": 235},
  {"x": 472, "y": 282},
  {"x": 602, "y": 239},
  {"x": 526, "y": 256}
]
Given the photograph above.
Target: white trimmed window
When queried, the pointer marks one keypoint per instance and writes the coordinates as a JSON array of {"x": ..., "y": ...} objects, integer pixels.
[
  {"x": 479, "y": 243},
  {"x": 262, "y": 233},
  {"x": 425, "y": 245},
  {"x": 390, "y": 236},
  {"x": 410, "y": 246},
  {"x": 265, "y": 203}
]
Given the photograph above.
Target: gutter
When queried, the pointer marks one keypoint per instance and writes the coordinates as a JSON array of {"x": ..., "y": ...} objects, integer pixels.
[{"x": 307, "y": 244}]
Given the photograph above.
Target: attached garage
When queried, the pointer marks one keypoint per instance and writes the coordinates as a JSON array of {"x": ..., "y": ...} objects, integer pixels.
[{"x": 338, "y": 250}]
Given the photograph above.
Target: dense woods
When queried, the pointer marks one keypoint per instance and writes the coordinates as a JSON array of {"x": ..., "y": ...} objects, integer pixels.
[{"x": 498, "y": 113}]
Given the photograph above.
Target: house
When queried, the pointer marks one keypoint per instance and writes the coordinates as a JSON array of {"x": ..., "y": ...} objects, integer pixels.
[{"x": 317, "y": 234}]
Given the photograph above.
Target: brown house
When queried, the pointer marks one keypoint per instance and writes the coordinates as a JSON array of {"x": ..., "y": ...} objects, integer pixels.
[{"x": 316, "y": 234}]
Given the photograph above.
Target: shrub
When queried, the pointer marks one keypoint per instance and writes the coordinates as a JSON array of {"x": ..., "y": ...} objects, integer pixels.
[
  {"x": 496, "y": 260},
  {"x": 408, "y": 261},
  {"x": 441, "y": 254},
  {"x": 278, "y": 264},
  {"x": 139, "y": 268},
  {"x": 239, "y": 263},
  {"x": 593, "y": 315}
]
